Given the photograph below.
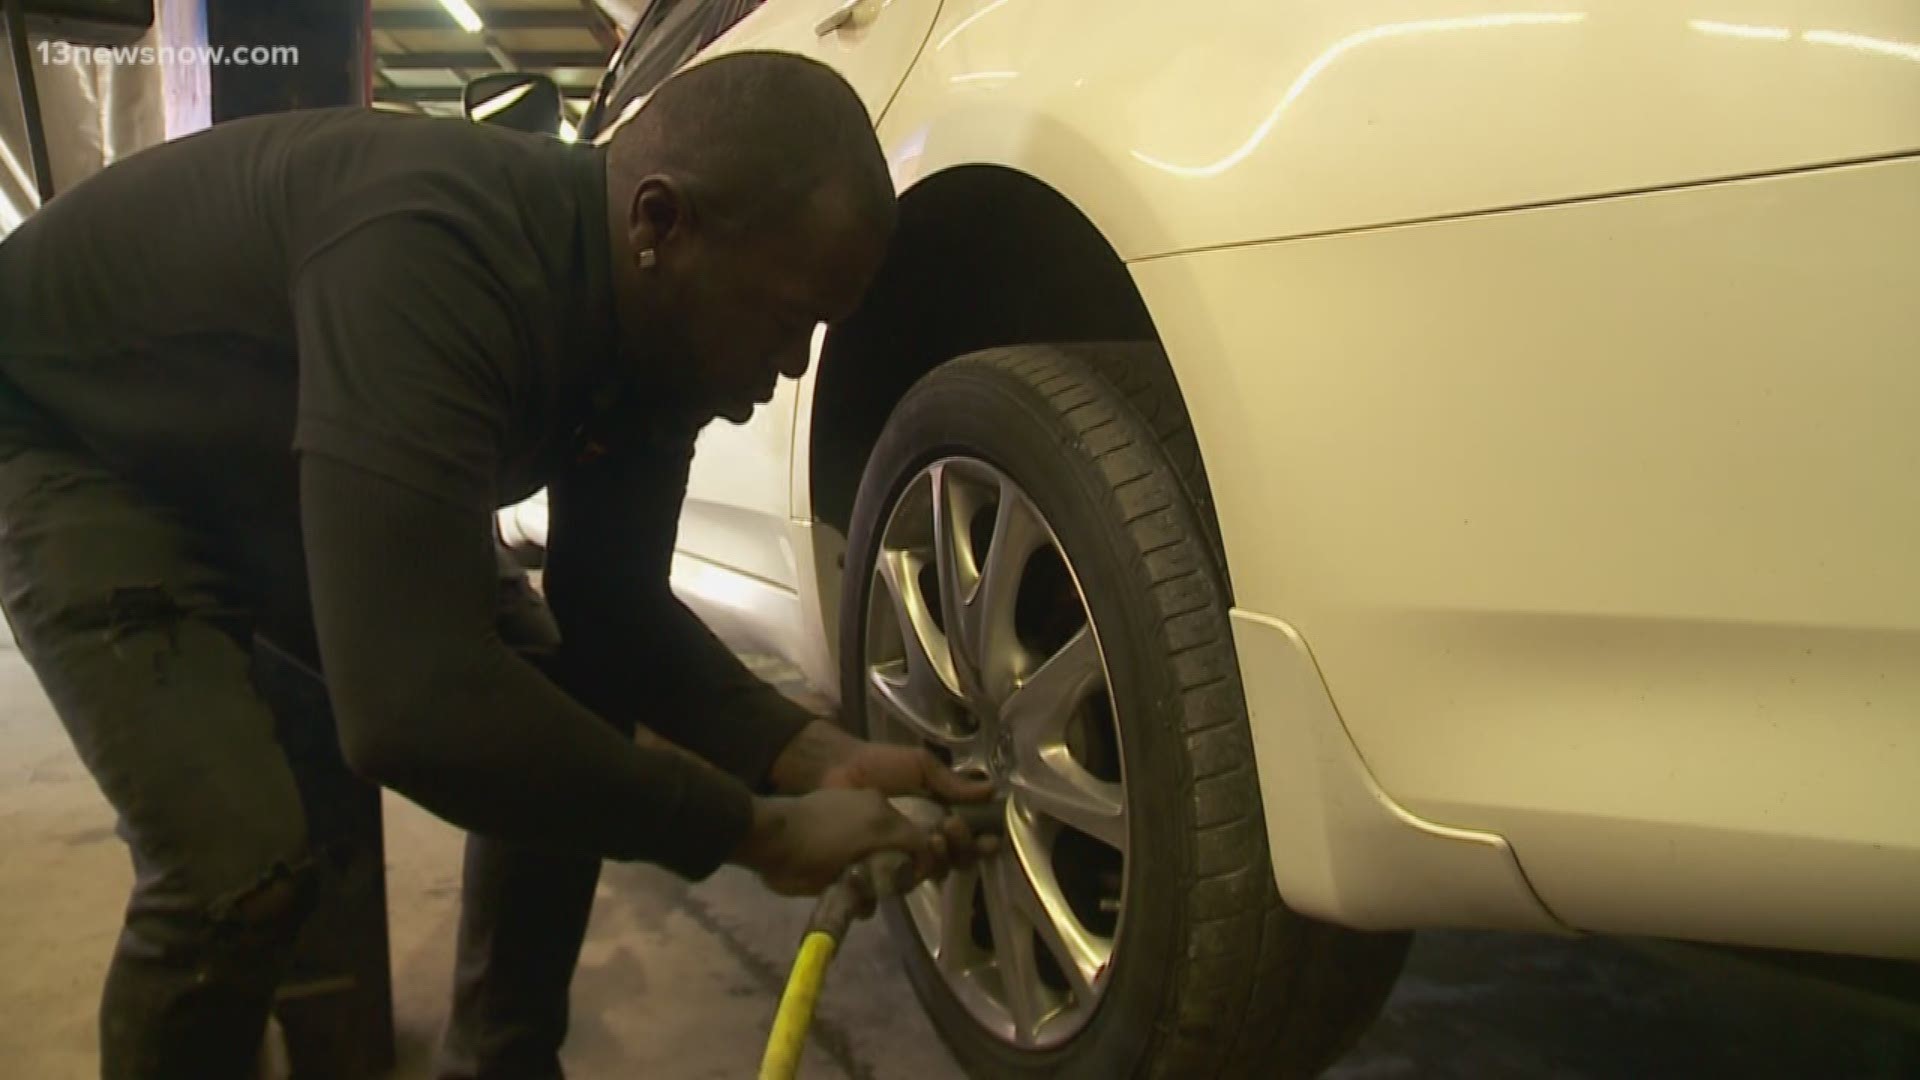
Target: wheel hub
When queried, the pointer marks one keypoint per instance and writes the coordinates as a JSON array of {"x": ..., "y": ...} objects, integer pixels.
[{"x": 1000, "y": 756}]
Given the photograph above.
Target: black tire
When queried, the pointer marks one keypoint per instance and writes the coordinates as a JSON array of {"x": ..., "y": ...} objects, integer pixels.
[{"x": 1212, "y": 975}]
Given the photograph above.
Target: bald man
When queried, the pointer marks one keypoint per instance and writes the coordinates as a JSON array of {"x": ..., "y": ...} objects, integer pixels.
[{"x": 271, "y": 381}]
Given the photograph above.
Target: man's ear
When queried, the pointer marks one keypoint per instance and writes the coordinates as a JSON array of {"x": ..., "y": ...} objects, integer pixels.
[{"x": 659, "y": 215}]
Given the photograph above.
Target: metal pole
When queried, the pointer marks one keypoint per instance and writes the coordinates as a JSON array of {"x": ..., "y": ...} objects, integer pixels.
[{"x": 29, "y": 97}]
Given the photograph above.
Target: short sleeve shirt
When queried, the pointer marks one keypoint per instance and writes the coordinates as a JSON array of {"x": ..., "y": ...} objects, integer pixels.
[{"x": 427, "y": 299}]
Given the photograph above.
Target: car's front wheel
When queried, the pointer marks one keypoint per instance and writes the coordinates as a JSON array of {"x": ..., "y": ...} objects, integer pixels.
[{"x": 1032, "y": 593}]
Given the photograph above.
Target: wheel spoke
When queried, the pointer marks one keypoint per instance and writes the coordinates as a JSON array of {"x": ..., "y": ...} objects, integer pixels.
[
  {"x": 912, "y": 691},
  {"x": 1065, "y": 792},
  {"x": 953, "y": 566},
  {"x": 894, "y": 692},
  {"x": 987, "y": 620},
  {"x": 1033, "y": 890},
  {"x": 926, "y": 647},
  {"x": 1045, "y": 773},
  {"x": 1013, "y": 948},
  {"x": 1044, "y": 701}
]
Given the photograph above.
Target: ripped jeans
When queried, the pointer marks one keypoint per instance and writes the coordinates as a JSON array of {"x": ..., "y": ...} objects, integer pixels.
[{"x": 143, "y": 642}]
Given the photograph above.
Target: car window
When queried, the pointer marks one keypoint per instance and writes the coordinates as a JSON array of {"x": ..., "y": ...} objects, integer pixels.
[
  {"x": 668, "y": 33},
  {"x": 665, "y": 37},
  {"x": 735, "y": 11},
  {"x": 629, "y": 44}
]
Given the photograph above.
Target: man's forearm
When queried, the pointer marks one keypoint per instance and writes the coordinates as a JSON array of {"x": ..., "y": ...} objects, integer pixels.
[
  {"x": 807, "y": 759},
  {"x": 673, "y": 676},
  {"x": 796, "y": 764},
  {"x": 632, "y": 649},
  {"x": 431, "y": 702},
  {"x": 528, "y": 762}
]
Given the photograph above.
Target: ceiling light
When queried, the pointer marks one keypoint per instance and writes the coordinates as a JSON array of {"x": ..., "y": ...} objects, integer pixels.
[{"x": 464, "y": 14}]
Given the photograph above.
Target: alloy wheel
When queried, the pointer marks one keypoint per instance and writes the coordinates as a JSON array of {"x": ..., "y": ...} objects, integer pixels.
[{"x": 979, "y": 646}]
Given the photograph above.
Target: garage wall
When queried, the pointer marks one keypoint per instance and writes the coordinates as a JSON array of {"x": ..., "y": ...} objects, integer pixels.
[{"x": 98, "y": 112}]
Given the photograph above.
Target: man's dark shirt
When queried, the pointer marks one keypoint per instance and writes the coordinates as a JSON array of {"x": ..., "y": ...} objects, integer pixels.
[{"x": 427, "y": 301}]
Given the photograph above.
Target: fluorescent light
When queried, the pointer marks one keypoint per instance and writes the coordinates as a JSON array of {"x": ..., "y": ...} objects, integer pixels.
[
  {"x": 568, "y": 132},
  {"x": 1904, "y": 50},
  {"x": 500, "y": 101},
  {"x": 1741, "y": 30},
  {"x": 464, "y": 14}
]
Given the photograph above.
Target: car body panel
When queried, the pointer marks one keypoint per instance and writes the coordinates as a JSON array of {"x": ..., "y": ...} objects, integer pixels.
[
  {"x": 1175, "y": 128},
  {"x": 1600, "y": 522},
  {"x": 1354, "y": 855}
]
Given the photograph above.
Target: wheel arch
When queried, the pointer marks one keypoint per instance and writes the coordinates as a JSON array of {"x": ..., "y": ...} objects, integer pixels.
[{"x": 984, "y": 256}]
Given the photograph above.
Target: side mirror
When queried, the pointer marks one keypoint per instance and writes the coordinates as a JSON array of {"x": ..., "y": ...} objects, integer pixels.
[{"x": 521, "y": 100}]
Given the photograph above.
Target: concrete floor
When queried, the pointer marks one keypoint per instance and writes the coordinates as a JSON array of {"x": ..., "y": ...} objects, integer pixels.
[{"x": 680, "y": 982}]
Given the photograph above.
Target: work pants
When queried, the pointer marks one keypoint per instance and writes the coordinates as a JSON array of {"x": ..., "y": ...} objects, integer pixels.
[{"x": 142, "y": 629}]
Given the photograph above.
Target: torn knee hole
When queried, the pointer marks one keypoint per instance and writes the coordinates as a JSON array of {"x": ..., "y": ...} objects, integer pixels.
[
  {"x": 283, "y": 894},
  {"x": 136, "y": 608}
]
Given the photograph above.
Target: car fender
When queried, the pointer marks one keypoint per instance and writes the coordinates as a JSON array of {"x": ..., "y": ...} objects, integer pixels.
[{"x": 1177, "y": 127}]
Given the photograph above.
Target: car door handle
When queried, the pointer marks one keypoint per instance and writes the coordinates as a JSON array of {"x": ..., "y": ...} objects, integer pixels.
[{"x": 850, "y": 15}]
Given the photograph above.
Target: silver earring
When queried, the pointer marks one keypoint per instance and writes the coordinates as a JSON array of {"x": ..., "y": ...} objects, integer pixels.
[{"x": 646, "y": 260}]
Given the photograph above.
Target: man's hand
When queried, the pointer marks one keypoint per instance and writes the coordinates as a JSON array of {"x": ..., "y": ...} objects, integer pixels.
[
  {"x": 799, "y": 846},
  {"x": 824, "y": 757},
  {"x": 903, "y": 770}
]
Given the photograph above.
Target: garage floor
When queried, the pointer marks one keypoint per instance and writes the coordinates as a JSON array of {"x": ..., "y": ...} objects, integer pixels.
[{"x": 680, "y": 982}]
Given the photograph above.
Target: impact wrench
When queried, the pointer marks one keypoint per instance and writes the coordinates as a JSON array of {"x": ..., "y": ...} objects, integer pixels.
[{"x": 855, "y": 896}]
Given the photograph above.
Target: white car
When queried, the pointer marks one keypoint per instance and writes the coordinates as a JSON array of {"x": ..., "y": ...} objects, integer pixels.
[{"x": 1347, "y": 467}]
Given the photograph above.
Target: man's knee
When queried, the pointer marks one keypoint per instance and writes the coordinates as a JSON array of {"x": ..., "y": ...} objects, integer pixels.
[
  {"x": 272, "y": 907},
  {"x": 176, "y": 920}
]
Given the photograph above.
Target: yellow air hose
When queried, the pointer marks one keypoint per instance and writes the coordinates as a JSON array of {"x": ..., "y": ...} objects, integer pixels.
[
  {"x": 875, "y": 878},
  {"x": 790, "y": 1024}
]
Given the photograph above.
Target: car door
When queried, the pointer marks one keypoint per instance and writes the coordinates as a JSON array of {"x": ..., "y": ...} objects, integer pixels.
[{"x": 739, "y": 494}]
